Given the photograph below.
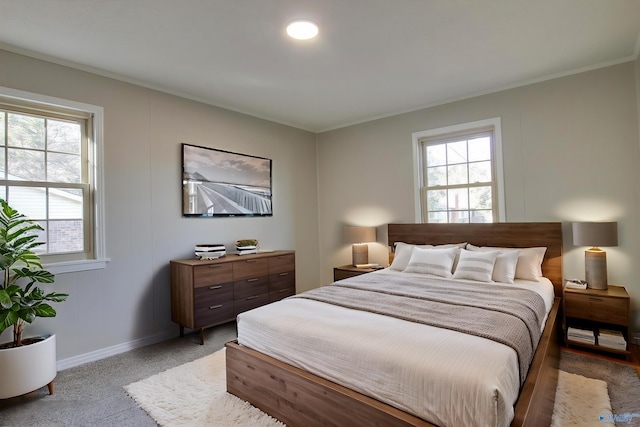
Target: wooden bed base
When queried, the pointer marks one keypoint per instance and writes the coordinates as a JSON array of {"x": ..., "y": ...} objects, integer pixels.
[{"x": 299, "y": 398}]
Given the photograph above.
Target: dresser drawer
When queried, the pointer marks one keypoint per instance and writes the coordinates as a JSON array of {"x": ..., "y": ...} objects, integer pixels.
[
  {"x": 282, "y": 263},
  {"x": 214, "y": 313},
  {"x": 213, "y": 294},
  {"x": 250, "y": 287},
  {"x": 596, "y": 308},
  {"x": 250, "y": 268},
  {"x": 277, "y": 295},
  {"x": 210, "y": 274},
  {"x": 282, "y": 280},
  {"x": 250, "y": 302}
]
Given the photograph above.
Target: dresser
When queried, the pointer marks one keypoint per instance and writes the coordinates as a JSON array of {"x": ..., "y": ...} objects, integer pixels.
[{"x": 206, "y": 293}]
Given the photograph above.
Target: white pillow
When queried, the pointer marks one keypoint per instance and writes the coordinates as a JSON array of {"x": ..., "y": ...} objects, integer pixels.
[
  {"x": 476, "y": 265},
  {"x": 438, "y": 262},
  {"x": 402, "y": 254},
  {"x": 504, "y": 271},
  {"x": 529, "y": 266}
]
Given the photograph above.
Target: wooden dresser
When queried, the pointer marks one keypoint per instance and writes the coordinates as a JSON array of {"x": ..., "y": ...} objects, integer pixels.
[{"x": 211, "y": 292}]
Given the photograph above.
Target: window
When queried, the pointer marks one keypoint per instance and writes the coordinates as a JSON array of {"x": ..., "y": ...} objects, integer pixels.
[
  {"x": 50, "y": 171},
  {"x": 459, "y": 173}
]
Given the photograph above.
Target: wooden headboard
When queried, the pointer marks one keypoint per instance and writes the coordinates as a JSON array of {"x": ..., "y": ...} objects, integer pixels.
[{"x": 501, "y": 234}]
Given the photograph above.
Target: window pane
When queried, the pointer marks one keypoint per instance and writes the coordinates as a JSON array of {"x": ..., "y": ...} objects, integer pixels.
[
  {"x": 64, "y": 168},
  {"x": 26, "y": 165},
  {"x": 42, "y": 237},
  {"x": 65, "y": 236},
  {"x": 2, "y": 117},
  {"x": 457, "y": 174},
  {"x": 25, "y": 131},
  {"x": 3, "y": 174},
  {"x": 436, "y": 155},
  {"x": 481, "y": 216},
  {"x": 29, "y": 201},
  {"x": 65, "y": 203},
  {"x": 436, "y": 176},
  {"x": 480, "y": 197},
  {"x": 480, "y": 172},
  {"x": 3, "y": 192},
  {"x": 457, "y": 152},
  {"x": 64, "y": 137},
  {"x": 459, "y": 216},
  {"x": 480, "y": 149},
  {"x": 436, "y": 200},
  {"x": 458, "y": 199},
  {"x": 440, "y": 217}
]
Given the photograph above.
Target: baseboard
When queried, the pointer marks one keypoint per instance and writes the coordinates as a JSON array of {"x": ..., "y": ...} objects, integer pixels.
[{"x": 111, "y": 351}]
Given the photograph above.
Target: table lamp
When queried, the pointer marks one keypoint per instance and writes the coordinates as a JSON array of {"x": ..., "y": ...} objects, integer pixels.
[
  {"x": 595, "y": 234},
  {"x": 359, "y": 236}
]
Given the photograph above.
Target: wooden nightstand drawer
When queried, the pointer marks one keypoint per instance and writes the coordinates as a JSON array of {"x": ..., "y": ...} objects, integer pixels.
[{"x": 608, "y": 306}]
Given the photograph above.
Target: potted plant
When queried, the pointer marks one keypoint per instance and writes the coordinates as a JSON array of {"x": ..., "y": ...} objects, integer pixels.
[{"x": 26, "y": 364}]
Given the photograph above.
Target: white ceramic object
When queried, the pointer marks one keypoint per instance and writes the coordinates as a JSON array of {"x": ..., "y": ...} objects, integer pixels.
[{"x": 27, "y": 368}]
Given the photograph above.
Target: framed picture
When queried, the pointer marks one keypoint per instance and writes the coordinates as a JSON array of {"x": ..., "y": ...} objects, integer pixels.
[{"x": 218, "y": 183}]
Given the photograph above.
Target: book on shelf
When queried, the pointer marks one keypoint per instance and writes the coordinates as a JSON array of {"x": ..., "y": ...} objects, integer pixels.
[
  {"x": 581, "y": 335},
  {"x": 612, "y": 338}
]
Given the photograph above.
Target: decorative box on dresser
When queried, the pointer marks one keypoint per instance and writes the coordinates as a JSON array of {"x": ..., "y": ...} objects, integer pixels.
[
  {"x": 595, "y": 309},
  {"x": 207, "y": 293}
]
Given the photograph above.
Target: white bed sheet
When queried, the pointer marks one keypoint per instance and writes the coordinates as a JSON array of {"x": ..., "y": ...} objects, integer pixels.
[{"x": 445, "y": 377}]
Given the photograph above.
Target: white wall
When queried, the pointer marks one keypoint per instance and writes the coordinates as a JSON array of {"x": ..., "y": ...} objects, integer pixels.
[
  {"x": 128, "y": 303},
  {"x": 571, "y": 152}
]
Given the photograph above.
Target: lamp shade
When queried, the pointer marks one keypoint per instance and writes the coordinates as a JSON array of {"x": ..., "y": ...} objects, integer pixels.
[
  {"x": 595, "y": 233},
  {"x": 359, "y": 234}
]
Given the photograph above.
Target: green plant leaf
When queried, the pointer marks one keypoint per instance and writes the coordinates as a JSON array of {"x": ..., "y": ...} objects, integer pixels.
[
  {"x": 8, "y": 318},
  {"x": 5, "y": 299},
  {"x": 27, "y": 314},
  {"x": 44, "y": 310}
]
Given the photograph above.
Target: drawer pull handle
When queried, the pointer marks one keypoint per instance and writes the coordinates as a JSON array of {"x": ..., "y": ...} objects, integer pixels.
[
  {"x": 215, "y": 287},
  {"x": 215, "y": 266},
  {"x": 283, "y": 290},
  {"x": 253, "y": 297},
  {"x": 213, "y": 307},
  {"x": 252, "y": 260},
  {"x": 284, "y": 274},
  {"x": 252, "y": 280},
  {"x": 595, "y": 298}
]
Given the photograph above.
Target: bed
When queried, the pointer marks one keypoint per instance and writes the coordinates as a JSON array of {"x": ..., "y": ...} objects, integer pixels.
[{"x": 319, "y": 390}]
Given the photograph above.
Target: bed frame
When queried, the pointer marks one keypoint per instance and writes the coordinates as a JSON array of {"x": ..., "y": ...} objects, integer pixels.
[{"x": 299, "y": 398}]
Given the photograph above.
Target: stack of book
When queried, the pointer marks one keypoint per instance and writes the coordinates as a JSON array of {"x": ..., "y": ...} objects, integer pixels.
[
  {"x": 580, "y": 335},
  {"x": 612, "y": 339},
  {"x": 213, "y": 251}
]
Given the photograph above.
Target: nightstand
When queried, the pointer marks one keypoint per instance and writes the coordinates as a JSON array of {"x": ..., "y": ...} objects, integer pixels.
[
  {"x": 596, "y": 310},
  {"x": 345, "y": 271}
]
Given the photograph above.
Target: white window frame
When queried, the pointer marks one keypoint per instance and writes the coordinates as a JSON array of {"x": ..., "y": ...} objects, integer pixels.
[
  {"x": 96, "y": 155},
  {"x": 418, "y": 170}
]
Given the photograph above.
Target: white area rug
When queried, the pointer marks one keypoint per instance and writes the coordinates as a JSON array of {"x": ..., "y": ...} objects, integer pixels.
[
  {"x": 194, "y": 394},
  {"x": 581, "y": 401}
]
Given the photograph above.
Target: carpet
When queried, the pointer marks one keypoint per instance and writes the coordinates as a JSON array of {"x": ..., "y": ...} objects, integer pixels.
[{"x": 195, "y": 394}]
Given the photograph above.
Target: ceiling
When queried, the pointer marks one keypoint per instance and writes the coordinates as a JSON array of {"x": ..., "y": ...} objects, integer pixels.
[{"x": 372, "y": 58}]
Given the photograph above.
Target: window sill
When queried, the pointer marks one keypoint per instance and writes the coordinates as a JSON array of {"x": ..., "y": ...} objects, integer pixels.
[{"x": 75, "y": 266}]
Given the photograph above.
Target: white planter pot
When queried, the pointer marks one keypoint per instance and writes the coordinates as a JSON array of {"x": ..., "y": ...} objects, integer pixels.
[{"x": 27, "y": 368}]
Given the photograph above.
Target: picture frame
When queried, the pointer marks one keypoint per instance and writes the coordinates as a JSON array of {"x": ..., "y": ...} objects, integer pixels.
[{"x": 219, "y": 183}]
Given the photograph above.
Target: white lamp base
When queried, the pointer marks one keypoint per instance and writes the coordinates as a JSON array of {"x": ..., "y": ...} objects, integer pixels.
[{"x": 595, "y": 266}]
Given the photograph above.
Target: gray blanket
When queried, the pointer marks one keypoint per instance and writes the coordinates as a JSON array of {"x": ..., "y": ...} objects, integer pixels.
[{"x": 508, "y": 315}]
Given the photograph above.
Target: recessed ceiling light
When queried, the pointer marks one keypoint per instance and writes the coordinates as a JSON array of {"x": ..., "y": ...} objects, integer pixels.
[{"x": 302, "y": 30}]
